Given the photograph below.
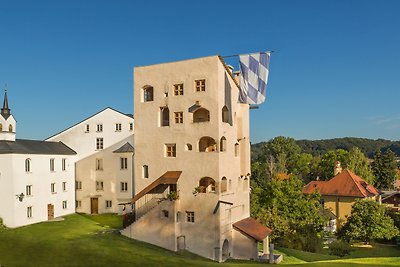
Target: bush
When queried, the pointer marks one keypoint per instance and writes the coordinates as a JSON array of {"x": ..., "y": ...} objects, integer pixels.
[
  {"x": 339, "y": 248},
  {"x": 2, "y": 226}
]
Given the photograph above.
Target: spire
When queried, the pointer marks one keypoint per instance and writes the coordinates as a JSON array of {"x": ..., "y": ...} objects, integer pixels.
[{"x": 5, "y": 111}]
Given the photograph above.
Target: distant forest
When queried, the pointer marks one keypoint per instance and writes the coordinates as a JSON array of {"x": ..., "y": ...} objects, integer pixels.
[{"x": 320, "y": 147}]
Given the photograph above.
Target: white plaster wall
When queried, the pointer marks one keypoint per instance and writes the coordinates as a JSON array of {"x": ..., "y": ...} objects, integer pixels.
[
  {"x": 84, "y": 143},
  {"x": 244, "y": 247},
  {"x": 40, "y": 178},
  {"x": 111, "y": 175},
  {"x": 5, "y": 134},
  {"x": 6, "y": 189}
]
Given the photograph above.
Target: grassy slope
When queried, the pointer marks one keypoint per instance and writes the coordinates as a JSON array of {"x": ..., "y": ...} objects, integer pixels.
[{"x": 82, "y": 240}]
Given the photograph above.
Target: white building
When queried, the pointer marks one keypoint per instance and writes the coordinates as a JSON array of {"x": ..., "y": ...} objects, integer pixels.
[
  {"x": 104, "y": 161},
  {"x": 36, "y": 177},
  {"x": 192, "y": 147}
]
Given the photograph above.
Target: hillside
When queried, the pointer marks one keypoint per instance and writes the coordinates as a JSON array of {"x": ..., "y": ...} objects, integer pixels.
[{"x": 320, "y": 147}]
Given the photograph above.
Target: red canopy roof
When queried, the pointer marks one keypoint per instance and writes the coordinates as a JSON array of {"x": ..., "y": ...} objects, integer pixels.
[{"x": 252, "y": 228}]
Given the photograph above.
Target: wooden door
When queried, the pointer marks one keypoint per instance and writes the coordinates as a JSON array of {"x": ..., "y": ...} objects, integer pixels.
[
  {"x": 50, "y": 211},
  {"x": 94, "y": 205}
]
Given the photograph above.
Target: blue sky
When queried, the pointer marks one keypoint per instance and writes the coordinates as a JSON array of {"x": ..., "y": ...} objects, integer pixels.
[{"x": 334, "y": 73}]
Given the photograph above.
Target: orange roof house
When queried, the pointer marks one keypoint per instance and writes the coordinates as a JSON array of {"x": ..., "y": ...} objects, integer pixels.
[{"x": 339, "y": 193}]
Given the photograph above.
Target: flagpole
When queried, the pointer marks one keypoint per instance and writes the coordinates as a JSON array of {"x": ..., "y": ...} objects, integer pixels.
[{"x": 246, "y": 54}]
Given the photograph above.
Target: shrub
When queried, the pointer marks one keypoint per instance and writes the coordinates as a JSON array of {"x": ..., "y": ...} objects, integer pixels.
[
  {"x": 339, "y": 248},
  {"x": 2, "y": 226}
]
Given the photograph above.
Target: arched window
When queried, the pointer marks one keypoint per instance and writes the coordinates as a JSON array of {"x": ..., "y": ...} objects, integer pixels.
[
  {"x": 225, "y": 114},
  {"x": 224, "y": 184},
  {"x": 188, "y": 147},
  {"x": 206, "y": 185},
  {"x": 245, "y": 184},
  {"x": 207, "y": 144},
  {"x": 222, "y": 144},
  {"x": 236, "y": 149},
  {"x": 28, "y": 165},
  {"x": 164, "y": 116},
  {"x": 201, "y": 115},
  {"x": 10, "y": 128},
  {"x": 148, "y": 93}
]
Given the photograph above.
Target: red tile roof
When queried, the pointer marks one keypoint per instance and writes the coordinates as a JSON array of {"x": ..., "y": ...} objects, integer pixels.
[
  {"x": 345, "y": 183},
  {"x": 252, "y": 228}
]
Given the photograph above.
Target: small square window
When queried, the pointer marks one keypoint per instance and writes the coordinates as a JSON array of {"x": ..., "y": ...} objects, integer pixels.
[
  {"x": 178, "y": 89},
  {"x": 64, "y": 164},
  {"x": 99, "y": 128},
  {"x": 78, "y": 185},
  {"x": 200, "y": 85},
  {"x": 99, "y": 143},
  {"x": 108, "y": 203},
  {"x": 99, "y": 185},
  {"x": 29, "y": 212},
  {"x": 190, "y": 216},
  {"x": 64, "y": 204},
  {"x": 178, "y": 117},
  {"x": 145, "y": 171},
  {"x": 53, "y": 188},
  {"x": 170, "y": 150},
  {"x": 52, "y": 165},
  {"x": 118, "y": 127},
  {"x": 124, "y": 163},
  {"x": 99, "y": 164},
  {"x": 148, "y": 94},
  {"x": 124, "y": 186},
  {"x": 29, "y": 190},
  {"x": 78, "y": 204}
]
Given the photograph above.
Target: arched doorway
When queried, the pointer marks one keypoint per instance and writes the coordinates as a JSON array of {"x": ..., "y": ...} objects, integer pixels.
[{"x": 225, "y": 250}]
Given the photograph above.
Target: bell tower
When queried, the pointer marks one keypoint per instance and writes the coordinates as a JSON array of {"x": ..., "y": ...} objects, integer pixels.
[{"x": 7, "y": 121}]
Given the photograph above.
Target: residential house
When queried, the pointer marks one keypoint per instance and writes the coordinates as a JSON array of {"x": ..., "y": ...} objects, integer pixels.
[
  {"x": 36, "y": 177},
  {"x": 340, "y": 193},
  {"x": 104, "y": 160},
  {"x": 192, "y": 161}
]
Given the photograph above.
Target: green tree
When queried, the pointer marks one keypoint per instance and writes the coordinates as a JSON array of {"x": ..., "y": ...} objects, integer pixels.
[
  {"x": 358, "y": 163},
  {"x": 384, "y": 168},
  {"x": 280, "y": 203},
  {"x": 368, "y": 221},
  {"x": 283, "y": 151},
  {"x": 328, "y": 161}
]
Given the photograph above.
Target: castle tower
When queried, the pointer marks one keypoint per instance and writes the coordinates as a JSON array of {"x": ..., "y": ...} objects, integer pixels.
[
  {"x": 7, "y": 121},
  {"x": 192, "y": 145}
]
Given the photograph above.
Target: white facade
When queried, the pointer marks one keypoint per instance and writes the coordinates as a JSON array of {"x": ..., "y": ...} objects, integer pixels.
[
  {"x": 48, "y": 194},
  {"x": 190, "y": 124},
  {"x": 36, "y": 177},
  {"x": 104, "y": 178}
]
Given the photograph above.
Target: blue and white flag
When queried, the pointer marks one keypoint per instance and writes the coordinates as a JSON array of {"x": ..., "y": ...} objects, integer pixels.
[{"x": 253, "y": 77}]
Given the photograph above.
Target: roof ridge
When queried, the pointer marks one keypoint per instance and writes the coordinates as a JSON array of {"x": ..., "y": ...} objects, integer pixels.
[{"x": 356, "y": 182}]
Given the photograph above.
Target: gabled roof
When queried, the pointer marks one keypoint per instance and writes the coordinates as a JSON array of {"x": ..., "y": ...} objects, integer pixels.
[
  {"x": 345, "y": 183},
  {"x": 128, "y": 115},
  {"x": 127, "y": 147},
  {"x": 21, "y": 146},
  {"x": 252, "y": 228}
]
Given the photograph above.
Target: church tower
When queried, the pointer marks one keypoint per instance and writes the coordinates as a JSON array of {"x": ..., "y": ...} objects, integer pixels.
[{"x": 7, "y": 121}]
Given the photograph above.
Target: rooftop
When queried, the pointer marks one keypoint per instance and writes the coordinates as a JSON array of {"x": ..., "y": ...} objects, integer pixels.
[
  {"x": 345, "y": 183},
  {"x": 21, "y": 146}
]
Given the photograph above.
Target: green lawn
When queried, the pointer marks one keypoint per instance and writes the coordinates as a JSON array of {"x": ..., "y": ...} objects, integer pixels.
[{"x": 83, "y": 240}]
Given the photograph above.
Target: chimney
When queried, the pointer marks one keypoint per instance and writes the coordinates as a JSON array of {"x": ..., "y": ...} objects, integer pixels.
[{"x": 337, "y": 169}]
